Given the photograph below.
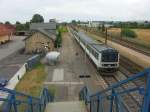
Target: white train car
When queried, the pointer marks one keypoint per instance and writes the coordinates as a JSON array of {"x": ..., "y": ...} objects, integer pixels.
[{"x": 105, "y": 58}]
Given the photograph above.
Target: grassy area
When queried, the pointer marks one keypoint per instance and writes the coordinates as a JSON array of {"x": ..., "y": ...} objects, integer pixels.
[
  {"x": 63, "y": 29},
  {"x": 32, "y": 82},
  {"x": 143, "y": 36}
]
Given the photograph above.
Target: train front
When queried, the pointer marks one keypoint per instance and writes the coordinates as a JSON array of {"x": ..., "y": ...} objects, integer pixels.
[{"x": 109, "y": 60}]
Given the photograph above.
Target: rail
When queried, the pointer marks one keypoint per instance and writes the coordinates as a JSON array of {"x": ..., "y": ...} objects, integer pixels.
[
  {"x": 110, "y": 99},
  {"x": 20, "y": 102}
]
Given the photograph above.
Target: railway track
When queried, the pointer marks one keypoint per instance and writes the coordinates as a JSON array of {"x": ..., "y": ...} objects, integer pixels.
[
  {"x": 129, "y": 69},
  {"x": 124, "y": 42},
  {"x": 132, "y": 101}
]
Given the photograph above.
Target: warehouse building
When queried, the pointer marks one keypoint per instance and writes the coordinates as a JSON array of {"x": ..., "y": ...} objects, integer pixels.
[
  {"x": 6, "y": 33},
  {"x": 42, "y": 38}
]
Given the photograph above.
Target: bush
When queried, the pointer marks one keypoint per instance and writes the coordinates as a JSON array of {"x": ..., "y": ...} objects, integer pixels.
[
  {"x": 128, "y": 33},
  {"x": 58, "y": 39}
]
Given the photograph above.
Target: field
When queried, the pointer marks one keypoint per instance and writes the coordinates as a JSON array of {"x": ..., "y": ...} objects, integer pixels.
[{"x": 143, "y": 36}]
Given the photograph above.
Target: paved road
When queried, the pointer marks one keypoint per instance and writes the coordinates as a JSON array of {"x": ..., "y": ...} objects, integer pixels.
[
  {"x": 65, "y": 75},
  {"x": 10, "y": 58},
  {"x": 11, "y": 64},
  {"x": 11, "y": 47}
]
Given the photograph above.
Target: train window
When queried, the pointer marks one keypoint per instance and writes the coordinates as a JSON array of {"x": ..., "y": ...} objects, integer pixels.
[{"x": 110, "y": 57}]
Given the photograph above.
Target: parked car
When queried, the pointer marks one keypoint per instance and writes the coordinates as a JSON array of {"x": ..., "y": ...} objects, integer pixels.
[{"x": 3, "y": 82}]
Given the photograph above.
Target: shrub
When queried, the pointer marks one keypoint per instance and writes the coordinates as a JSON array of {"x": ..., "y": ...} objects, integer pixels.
[{"x": 128, "y": 33}]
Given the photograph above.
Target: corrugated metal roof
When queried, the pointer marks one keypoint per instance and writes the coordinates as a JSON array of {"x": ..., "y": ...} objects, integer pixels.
[{"x": 48, "y": 26}]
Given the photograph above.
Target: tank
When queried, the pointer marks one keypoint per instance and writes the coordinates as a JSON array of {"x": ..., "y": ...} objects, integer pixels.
[{"x": 52, "y": 57}]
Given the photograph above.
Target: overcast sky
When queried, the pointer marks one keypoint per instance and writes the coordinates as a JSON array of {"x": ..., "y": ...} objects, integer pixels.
[{"x": 66, "y": 10}]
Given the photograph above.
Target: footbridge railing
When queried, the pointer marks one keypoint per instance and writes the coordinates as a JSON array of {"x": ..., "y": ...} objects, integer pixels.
[
  {"x": 119, "y": 97},
  {"x": 19, "y": 102}
]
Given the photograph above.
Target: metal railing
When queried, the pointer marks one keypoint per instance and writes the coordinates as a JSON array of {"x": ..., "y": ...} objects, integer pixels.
[
  {"x": 20, "y": 102},
  {"x": 112, "y": 99}
]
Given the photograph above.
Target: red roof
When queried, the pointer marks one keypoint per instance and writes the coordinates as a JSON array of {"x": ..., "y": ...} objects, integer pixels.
[{"x": 6, "y": 29}]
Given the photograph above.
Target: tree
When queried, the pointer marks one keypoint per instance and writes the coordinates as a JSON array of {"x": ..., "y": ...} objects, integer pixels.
[
  {"x": 27, "y": 25},
  {"x": 74, "y": 22},
  {"x": 128, "y": 33},
  {"x": 37, "y": 18},
  {"x": 7, "y": 23},
  {"x": 19, "y": 27},
  {"x": 17, "y": 22}
]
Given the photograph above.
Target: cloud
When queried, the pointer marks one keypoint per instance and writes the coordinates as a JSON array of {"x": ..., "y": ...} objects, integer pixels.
[{"x": 66, "y": 10}]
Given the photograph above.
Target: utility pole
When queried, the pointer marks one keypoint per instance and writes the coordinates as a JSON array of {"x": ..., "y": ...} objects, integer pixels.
[
  {"x": 106, "y": 36},
  {"x": 121, "y": 32}
]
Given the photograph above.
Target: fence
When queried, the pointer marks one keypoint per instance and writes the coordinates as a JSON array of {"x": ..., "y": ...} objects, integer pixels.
[
  {"x": 20, "y": 102},
  {"x": 31, "y": 62},
  {"x": 20, "y": 73},
  {"x": 114, "y": 99}
]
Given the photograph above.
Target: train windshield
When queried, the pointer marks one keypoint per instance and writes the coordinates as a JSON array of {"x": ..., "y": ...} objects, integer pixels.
[{"x": 110, "y": 56}]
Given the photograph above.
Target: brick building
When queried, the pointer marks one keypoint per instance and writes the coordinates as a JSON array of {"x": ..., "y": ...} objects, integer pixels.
[
  {"x": 42, "y": 38},
  {"x": 6, "y": 33}
]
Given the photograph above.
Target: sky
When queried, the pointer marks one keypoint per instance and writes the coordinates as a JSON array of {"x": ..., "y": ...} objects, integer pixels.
[{"x": 67, "y": 10}]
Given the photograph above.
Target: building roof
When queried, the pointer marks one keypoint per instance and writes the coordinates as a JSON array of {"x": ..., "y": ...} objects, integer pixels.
[
  {"x": 6, "y": 29},
  {"x": 47, "y": 29},
  {"x": 47, "y": 33},
  {"x": 49, "y": 26}
]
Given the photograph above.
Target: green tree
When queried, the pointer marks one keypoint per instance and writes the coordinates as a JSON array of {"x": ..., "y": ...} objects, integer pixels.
[
  {"x": 7, "y": 23},
  {"x": 128, "y": 33},
  {"x": 37, "y": 18},
  {"x": 74, "y": 22},
  {"x": 19, "y": 26},
  {"x": 27, "y": 25}
]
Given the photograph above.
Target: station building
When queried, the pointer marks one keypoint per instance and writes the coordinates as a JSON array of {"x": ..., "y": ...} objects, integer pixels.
[{"x": 42, "y": 38}]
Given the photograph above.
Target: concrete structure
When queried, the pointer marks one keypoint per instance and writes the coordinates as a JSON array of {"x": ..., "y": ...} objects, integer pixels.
[
  {"x": 70, "y": 106},
  {"x": 6, "y": 32},
  {"x": 42, "y": 38}
]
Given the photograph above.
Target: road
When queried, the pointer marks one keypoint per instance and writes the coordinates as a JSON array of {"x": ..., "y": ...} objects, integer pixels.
[
  {"x": 65, "y": 76},
  {"x": 10, "y": 58},
  {"x": 11, "y": 47}
]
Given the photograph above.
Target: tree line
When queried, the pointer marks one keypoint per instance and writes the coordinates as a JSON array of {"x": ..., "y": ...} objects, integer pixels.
[{"x": 37, "y": 18}]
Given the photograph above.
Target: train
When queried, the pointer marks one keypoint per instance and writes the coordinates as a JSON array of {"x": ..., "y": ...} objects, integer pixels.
[{"x": 104, "y": 57}]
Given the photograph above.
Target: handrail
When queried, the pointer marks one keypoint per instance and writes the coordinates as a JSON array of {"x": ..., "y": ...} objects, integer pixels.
[
  {"x": 13, "y": 103},
  {"x": 136, "y": 76},
  {"x": 16, "y": 93},
  {"x": 113, "y": 97}
]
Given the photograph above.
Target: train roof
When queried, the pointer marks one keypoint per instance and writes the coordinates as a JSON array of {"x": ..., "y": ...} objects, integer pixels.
[
  {"x": 86, "y": 38},
  {"x": 96, "y": 45}
]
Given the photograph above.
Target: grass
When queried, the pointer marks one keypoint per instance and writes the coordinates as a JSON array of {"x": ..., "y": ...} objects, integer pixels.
[
  {"x": 143, "y": 36},
  {"x": 63, "y": 29},
  {"x": 32, "y": 82}
]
